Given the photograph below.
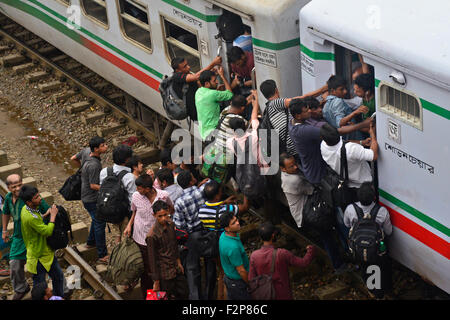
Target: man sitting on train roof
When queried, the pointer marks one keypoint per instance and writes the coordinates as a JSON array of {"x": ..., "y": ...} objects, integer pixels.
[
  {"x": 182, "y": 75},
  {"x": 336, "y": 111}
]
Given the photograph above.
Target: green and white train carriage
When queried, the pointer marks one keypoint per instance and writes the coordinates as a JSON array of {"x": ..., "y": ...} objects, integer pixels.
[
  {"x": 406, "y": 42},
  {"x": 299, "y": 53},
  {"x": 134, "y": 52}
]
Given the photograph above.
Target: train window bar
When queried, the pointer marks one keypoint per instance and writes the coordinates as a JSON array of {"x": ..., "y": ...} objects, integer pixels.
[
  {"x": 96, "y": 10},
  {"x": 401, "y": 104},
  {"x": 134, "y": 23},
  {"x": 64, "y": 2}
]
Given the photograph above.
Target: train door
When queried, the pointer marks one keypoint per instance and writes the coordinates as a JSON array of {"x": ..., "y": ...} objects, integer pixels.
[{"x": 349, "y": 65}]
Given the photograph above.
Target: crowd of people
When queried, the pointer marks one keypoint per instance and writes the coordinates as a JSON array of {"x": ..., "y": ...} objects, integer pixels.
[{"x": 312, "y": 130}]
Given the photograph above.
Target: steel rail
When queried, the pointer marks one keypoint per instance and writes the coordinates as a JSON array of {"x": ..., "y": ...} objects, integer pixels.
[{"x": 84, "y": 88}]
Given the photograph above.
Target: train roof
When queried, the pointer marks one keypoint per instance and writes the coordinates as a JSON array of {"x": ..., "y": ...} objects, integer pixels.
[
  {"x": 411, "y": 33},
  {"x": 253, "y": 7}
]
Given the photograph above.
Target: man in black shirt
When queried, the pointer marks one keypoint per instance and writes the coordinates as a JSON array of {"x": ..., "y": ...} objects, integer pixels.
[{"x": 182, "y": 74}]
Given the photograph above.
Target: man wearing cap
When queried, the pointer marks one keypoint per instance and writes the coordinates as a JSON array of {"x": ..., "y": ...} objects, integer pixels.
[{"x": 261, "y": 261}]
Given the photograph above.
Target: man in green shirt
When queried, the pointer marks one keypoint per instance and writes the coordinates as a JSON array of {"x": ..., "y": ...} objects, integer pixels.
[
  {"x": 17, "y": 255},
  {"x": 234, "y": 259},
  {"x": 40, "y": 257},
  {"x": 207, "y": 100}
]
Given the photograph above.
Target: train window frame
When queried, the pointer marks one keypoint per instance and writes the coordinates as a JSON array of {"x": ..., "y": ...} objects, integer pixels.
[
  {"x": 93, "y": 18},
  {"x": 137, "y": 22},
  {"x": 178, "y": 43},
  {"x": 403, "y": 114},
  {"x": 67, "y": 3}
]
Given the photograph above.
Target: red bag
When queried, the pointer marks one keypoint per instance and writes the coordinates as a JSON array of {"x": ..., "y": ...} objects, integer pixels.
[{"x": 158, "y": 295}]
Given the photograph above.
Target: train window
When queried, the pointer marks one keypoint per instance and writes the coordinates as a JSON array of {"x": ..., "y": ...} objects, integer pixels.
[
  {"x": 134, "y": 22},
  {"x": 400, "y": 104},
  {"x": 181, "y": 43},
  {"x": 95, "y": 9}
]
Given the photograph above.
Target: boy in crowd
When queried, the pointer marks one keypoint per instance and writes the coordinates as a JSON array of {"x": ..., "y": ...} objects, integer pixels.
[
  {"x": 121, "y": 155},
  {"x": 207, "y": 214},
  {"x": 40, "y": 257},
  {"x": 166, "y": 269},
  {"x": 367, "y": 201},
  {"x": 89, "y": 161},
  {"x": 336, "y": 111}
]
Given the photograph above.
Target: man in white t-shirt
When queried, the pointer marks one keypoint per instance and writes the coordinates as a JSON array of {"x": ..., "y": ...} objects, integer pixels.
[{"x": 357, "y": 156}]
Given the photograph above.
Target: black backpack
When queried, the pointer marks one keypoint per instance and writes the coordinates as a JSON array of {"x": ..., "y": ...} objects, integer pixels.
[
  {"x": 365, "y": 236},
  {"x": 208, "y": 242},
  {"x": 112, "y": 202},
  {"x": 71, "y": 189},
  {"x": 60, "y": 238},
  {"x": 248, "y": 176},
  {"x": 334, "y": 187},
  {"x": 230, "y": 26},
  {"x": 266, "y": 125},
  {"x": 317, "y": 213},
  {"x": 175, "y": 106}
]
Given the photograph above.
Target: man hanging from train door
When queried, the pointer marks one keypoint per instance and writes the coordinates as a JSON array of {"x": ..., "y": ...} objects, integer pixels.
[{"x": 182, "y": 75}]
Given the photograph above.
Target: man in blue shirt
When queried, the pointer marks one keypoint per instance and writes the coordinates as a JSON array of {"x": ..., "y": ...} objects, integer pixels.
[{"x": 336, "y": 111}]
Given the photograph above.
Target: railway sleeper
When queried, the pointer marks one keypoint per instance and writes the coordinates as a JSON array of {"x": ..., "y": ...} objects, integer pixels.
[
  {"x": 21, "y": 34},
  {"x": 49, "y": 86},
  {"x": 4, "y": 48},
  {"x": 63, "y": 96},
  {"x": 92, "y": 117},
  {"x": 59, "y": 58},
  {"x": 47, "y": 50},
  {"x": 23, "y": 68},
  {"x": 36, "y": 76},
  {"x": 112, "y": 127},
  {"x": 33, "y": 42},
  {"x": 78, "y": 107},
  {"x": 12, "y": 60}
]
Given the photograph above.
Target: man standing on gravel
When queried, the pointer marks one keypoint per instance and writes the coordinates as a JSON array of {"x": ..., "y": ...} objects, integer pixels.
[
  {"x": 18, "y": 253},
  {"x": 89, "y": 160}
]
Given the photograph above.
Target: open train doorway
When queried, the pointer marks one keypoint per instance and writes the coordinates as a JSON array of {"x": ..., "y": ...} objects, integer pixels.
[{"x": 359, "y": 77}]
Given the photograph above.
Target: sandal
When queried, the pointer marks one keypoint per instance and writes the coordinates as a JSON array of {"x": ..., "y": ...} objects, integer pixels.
[{"x": 104, "y": 260}]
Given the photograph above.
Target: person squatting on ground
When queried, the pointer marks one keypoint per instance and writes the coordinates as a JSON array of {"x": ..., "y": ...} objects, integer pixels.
[
  {"x": 40, "y": 257},
  {"x": 165, "y": 265},
  {"x": 89, "y": 161}
]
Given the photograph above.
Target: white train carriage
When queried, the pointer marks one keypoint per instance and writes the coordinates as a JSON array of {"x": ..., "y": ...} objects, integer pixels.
[
  {"x": 406, "y": 43},
  {"x": 133, "y": 48}
]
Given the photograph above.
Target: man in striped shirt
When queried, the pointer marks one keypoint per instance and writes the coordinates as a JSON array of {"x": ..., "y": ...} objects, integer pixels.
[
  {"x": 279, "y": 116},
  {"x": 209, "y": 215}
]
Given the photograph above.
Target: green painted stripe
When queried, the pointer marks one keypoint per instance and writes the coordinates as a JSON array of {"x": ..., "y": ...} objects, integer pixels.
[
  {"x": 204, "y": 17},
  {"x": 428, "y": 106},
  {"x": 64, "y": 29},
  {"x": 416, "y": 213},
  {"x": 276, "y": 46},
  {"x": 435, "y": 109},
  {"x": 317, "y": 55}
]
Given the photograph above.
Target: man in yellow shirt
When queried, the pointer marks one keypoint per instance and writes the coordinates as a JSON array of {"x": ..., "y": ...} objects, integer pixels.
[{"x": 40, "y": 257}]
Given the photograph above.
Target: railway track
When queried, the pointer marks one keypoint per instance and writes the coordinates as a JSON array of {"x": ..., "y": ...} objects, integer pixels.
[{"x": 94, "y": 98}]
